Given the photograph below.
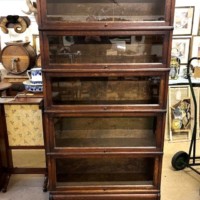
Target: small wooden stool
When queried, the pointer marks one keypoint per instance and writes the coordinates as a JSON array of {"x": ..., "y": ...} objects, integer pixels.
[{"x": 3, "y": 88}]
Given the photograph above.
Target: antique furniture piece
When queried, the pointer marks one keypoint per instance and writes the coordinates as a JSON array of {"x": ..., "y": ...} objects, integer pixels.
[
  {"x": 16, "y": 81},
  {"x": 105, "y": 73},
  {"x": 22, "y": 126}
]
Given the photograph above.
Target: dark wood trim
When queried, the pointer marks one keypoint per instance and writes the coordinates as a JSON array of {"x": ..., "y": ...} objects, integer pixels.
[
  {"x": 112, "y": 196},
  {"x": 22, "y": 170},
  {"x": 4, "y": 153}
]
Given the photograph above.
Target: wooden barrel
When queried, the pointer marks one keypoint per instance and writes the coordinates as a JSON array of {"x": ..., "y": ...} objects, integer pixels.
[{"x": 17, "y": 57}]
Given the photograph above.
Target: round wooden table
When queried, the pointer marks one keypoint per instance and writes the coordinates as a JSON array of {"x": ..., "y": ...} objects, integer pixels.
[{"x": 4, "y": 87}]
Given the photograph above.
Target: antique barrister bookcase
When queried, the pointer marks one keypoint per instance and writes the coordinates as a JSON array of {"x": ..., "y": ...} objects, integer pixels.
[{"x": 105, "y": 70}]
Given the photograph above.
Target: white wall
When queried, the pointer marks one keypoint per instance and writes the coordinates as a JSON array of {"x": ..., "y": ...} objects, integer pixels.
[{"x": 15, "y": 7}]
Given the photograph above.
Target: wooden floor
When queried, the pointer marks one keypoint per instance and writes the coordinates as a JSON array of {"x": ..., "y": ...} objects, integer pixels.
[{"x": 176, "y": 185}]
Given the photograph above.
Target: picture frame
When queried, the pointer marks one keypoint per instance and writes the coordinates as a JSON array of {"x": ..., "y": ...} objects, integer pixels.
[
  {"x": 183, "y": 20},
  {"x": 181, "y": 49},
  {"x": 195, "y": 46},
  {"x": 199, "y": 31},
  {"x": 36, "y": 43},
  {"x": 0, "y": 49},
  {"x": 195, "y": 52}
]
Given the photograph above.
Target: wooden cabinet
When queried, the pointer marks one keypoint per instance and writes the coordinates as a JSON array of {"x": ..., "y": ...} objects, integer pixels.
[
  {"x": 105, "y": 72},
  {"x": 21, "y": 138},
  {"x": 25, "y": 134}
]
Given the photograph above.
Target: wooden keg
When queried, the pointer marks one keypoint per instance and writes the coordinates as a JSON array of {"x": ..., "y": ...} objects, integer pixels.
[{"x": 17, "y": 57}]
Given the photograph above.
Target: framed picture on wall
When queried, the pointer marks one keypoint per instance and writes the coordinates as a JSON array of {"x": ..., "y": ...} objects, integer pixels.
[
  {"x": 181, "y": 49},
  {"x": 195, "y": 49},
  {"x": 198, "y": 33},
  {"x": 183, "y": 20},
  {"x": 0, "y": 48},
  {"x": 196, "y": 46},
  {"x": 36, "y": 43}
]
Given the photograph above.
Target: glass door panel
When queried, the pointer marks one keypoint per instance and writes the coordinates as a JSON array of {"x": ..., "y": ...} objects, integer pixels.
[
  {"x": 104, "y": 171},
  {"x": 132, "y": 132},
  {"x": 98, "y": 49},
  {"x": 132, "y": 90},
  {"x": 105, "y": 10}
]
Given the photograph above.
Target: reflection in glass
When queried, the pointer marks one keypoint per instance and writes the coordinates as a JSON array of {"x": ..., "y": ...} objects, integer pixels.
[
  {"x": 105, "y": 10},
  {"x": 104, "y": 171},
  {"x": 105, "y": 49},
  {"x": 105, "y": 90},
  {"x": 105, "y": 131}
]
